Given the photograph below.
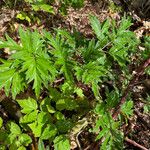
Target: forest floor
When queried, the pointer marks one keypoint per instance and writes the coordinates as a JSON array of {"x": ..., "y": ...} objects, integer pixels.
[{"x": 138, "y": 127}]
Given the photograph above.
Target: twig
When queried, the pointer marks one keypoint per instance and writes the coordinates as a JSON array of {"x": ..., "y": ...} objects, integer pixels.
[
  {"x": 135, "y": 78},
  {"x": 77, "y": 140},
  {"x": 135, "y": 144}
]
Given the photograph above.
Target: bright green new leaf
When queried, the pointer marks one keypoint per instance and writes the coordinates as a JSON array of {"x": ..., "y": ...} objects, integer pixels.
[
  {"x": 23, "y": 16},
  {"x": 29, "y": 117},
  {"x": 27, "y": 105},
  {"x": 37, "y": 125},
  {"x": 24, "y": 139},
  {"x": 59, "y": 115},
  {"x": 1, "y": 122},
  {"x": 36, "y": 128},
  {"x": 14, "y": 128},
  {"x": 49, "y": 132},
  {"x": 61, "y": 143},
  {"x": 50, "y": 109},
  {"x": 21, "y": 148}
]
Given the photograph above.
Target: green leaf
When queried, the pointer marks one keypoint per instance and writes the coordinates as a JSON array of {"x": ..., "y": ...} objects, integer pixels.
[
  {"x": 17, "y": 84},
  {"x": 101, "y": 30},
  {"x": 6, "y": 79},
  {"x": 1, "y": 122},
  {"x": 23, "y": 16},
  {"x": 68, "y": 104},
  {"x": 24, "y": 139},
  {"x": 29, "y": 117},
  {"x": 61, "y": 143},
  {"x": 44, "y": 7},
  {"x": 36, "y": 128},
  {"x": 79, "y": 92},
  {"x": 10, "y": 43},
  {"x": 14, "y": 128},
  {"x": 50, "y": 109},
  {"x": 96, "y": 26},
  {"x": 27, "y": 105},
  {"x": 124, "y": 25},
  {"x": 21, "y": 148},
  {"x": 61, "y": 52},
  {"x": 59, "y": 115},
  {"x": 38, "y": 70},
  {"x": 102, "y": 133},
  {"x": 127, "y": 108},
  {"x": 41, "y": 145},
  {"x": 64, "y": 126},
  {"x": 3, "y": 136},
  {"x": 49, "y": 132}
]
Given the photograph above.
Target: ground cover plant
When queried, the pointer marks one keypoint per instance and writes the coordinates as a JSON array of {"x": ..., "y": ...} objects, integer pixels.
[{"x": 63, "y": 83}]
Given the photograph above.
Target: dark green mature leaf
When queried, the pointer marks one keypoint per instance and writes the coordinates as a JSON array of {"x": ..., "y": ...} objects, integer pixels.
[
  {"x": 64, "y": 125},
  {"x": 29, "y": 59},
  {"x": 62, "y": 52},
  {"x": 101, "y": 30},
  {"x": 10, "y": 78},
  {"x": 91, "y": 73},
  {"x": 66, "y": 103}
]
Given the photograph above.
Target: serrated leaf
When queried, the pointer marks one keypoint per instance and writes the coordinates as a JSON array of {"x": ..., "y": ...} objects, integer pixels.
[
  {"x": 96, "y": 26},
  {"x": 17, "y": 85},
  {"x": 49, "y": 132},
  {"x": 102, "y": 133},
  {"x": 68, "y": 104},
  {"x": 27, "y": 105},
  {"x": 124, "y": 25},
  {"x": 14, "y": 128},
  {"x": 61, "y": 143},
  {"x": 24, "y": 139},
  {"x": 6, "y": 79},
  {"x": 127, "y": 108},
  {"x": 29, "y": 117},
  {"x": 36, "y": 128},
  {"x": 10, "y": 43},
  {"x": 21, "y": 148},
  {"x": 64, "y": 126}
]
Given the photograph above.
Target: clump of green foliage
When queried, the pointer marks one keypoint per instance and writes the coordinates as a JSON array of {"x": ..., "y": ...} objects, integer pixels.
[{"x": 40, "y": 60}]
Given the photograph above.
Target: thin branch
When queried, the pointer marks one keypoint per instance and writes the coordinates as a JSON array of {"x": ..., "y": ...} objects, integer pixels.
[
  {"x": 135, "y": 78},
  {"x": 135, "y": 144}
]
